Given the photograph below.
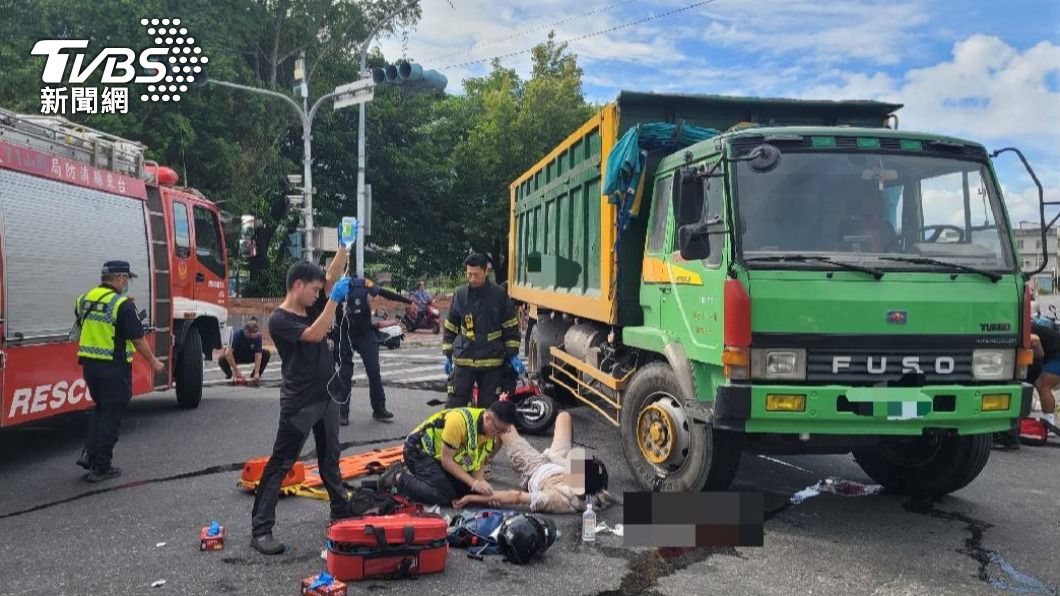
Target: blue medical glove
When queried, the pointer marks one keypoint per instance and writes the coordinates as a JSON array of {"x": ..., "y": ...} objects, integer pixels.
[
  {"x": 340, "y": 290},
  {"x": 517, "y": 365},
  {"x": 449, "y": 366}
]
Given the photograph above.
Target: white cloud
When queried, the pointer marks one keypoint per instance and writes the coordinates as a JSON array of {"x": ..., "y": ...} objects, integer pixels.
[
  {"x": 818, "y": 31},
  {"x": 1022, "y": 205},
  {"x": 474, "y": 30},
  {"x": 988, "y": 91}
]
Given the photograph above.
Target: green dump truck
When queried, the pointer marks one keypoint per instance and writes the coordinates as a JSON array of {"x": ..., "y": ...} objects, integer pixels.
[{"x": 715, "y": 275}]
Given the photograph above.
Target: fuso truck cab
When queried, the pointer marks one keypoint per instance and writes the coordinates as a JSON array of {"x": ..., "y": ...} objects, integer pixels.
[{"x": 817, "y": 284}]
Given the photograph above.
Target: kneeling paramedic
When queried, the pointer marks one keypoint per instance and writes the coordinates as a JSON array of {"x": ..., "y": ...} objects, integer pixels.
[
  {"x": 444, "y": 456},
  {"x": 481, "y": 336},
  {"x": 110, "y": 333},
  {"x": 299, "y": 328},
  {"x": 557, "y": 480}
]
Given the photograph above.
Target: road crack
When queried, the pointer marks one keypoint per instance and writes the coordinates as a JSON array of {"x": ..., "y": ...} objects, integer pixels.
[{"x": 221, "y": 469}]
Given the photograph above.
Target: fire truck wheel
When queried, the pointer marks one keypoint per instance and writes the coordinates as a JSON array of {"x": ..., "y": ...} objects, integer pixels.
[
  {"x": 666, "y": 449},
  {"x": 926, "y": 467},
  {"x": 189, "y": 369}
]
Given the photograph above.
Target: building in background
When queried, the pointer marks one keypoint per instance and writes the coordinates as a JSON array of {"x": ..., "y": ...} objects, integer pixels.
[{"x": 1029, "y": 253}]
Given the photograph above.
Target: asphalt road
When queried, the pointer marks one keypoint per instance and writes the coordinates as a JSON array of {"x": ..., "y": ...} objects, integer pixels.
[{"x": 59, "y": 535}]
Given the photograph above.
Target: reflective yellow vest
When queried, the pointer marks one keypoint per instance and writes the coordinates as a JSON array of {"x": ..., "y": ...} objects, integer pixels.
[
  {"x": 470, "y": 456},
  {"x": 97, "y": 311}
]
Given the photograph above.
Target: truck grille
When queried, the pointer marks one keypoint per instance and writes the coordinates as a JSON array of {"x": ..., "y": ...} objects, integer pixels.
[{"x": 876, "y": 366}]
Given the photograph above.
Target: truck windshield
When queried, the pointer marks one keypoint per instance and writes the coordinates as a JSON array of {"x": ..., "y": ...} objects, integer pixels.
[{"x": 874, "y": 209}]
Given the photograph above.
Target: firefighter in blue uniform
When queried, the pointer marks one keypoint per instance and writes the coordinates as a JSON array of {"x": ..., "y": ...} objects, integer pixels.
[{"x": 110, "y": 334}]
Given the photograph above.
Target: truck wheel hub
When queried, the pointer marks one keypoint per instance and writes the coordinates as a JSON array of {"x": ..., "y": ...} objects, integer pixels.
[{"x": 661, "y": 434}]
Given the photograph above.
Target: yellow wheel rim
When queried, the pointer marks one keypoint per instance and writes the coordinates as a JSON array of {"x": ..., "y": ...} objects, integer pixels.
[{"x": 656, "y": 434}]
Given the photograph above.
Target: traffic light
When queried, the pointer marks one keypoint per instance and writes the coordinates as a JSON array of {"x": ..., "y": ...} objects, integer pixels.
[
  {"x": 410, "y": 77},
  {"x": 296, "y": 192}
]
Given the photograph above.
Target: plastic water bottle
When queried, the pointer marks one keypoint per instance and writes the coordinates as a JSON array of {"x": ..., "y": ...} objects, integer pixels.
[{"x": 589, "y": 521}]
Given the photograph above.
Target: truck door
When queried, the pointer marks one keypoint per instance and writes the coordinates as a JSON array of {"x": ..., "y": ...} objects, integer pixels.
[
  {"x": 656, "y": 290},
  {"x": 182, "y": 269},
  {"x": 694, "y": 309},
  {"x": 209, "y": 257}
]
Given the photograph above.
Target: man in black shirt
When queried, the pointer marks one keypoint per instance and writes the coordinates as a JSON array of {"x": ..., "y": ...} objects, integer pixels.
[
  {"x": 299, "y": 328},
  {"x": 245, "y": 348},
  {"x": 110, "y": 331}
]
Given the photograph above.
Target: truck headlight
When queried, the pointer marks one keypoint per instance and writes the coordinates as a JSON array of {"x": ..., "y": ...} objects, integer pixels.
[
  {"x": 778, "y": 364},
  {"x": 993, "y": 365}
]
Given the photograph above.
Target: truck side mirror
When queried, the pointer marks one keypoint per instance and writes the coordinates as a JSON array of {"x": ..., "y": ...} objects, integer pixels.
[
  {"x": 688, "y": 199},
  {"x": 693, "y": 240}
]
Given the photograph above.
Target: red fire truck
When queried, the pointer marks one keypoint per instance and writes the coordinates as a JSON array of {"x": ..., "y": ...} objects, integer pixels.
[{"x": 72, "y": 198}]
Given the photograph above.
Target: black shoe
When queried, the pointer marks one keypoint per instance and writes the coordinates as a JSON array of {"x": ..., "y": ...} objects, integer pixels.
[
  {"x": 388, "y": 479},
  {"x": 382, "y": 415},
  {"x": 101, "y": 475},
  {"x": 345, "y": 513},
  {"x": 267, "y": 545},
  {"x": 344, "y": 421},
  {"x": 83, "y": 460}
]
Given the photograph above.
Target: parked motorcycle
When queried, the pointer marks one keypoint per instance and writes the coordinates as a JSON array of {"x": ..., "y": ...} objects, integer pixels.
[
  {"x": 388, "y": 331},
  {"x": 431, "y": 319}
]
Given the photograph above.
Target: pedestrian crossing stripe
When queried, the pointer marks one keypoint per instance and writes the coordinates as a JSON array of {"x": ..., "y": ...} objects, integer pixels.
[{"x": 907, "y": 410}]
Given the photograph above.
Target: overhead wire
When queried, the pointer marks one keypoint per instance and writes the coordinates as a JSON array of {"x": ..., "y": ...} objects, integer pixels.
[
  {"x": 499, "y": 40},
  {"x": 585, "y": 36}
]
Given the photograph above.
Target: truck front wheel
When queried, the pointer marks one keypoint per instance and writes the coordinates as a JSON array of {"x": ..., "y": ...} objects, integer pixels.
[
  {"x": 189, "y": 369},
  {"x": 926, "y": 467},
  {"x": 666, "y": 449}
]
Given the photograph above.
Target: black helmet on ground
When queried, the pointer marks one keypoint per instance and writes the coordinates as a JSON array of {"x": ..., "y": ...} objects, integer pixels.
[{"x": 523, "y": 537}]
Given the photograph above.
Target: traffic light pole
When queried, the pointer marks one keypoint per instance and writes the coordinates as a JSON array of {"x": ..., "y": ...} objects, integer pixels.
[
  {"x": 360, "y": 130},
  {"x": 307, "y": 151}
]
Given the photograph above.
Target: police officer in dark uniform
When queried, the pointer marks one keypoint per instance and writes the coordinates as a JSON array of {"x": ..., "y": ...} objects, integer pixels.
[
  {"x": 481, "y": 338},
  {"x": 355, "y": 332},
  {"x": 110, "y": 333}
]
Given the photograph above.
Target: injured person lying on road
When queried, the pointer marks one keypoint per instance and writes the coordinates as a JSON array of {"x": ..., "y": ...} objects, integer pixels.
[{"x": 555, "y": 480}]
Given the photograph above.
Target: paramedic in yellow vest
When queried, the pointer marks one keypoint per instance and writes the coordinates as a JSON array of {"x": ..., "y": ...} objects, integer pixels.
[
  {"x": 110, "y": 334},
  {"x": 444, "y": 456}
]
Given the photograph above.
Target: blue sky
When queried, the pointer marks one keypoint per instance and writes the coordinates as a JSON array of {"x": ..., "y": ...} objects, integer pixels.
[{"x": 984, "y": 70}]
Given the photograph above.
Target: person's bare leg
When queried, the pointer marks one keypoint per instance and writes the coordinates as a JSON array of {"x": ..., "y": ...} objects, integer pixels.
[
  {"x": 1045, "y": 384},
  {"x": 562, "y": 435}
]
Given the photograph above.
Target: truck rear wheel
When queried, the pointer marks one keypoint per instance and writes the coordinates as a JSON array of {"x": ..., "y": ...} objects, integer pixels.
[
  {"x": 188, "y": 371},
  {"x": 926, "y": 467},
  {"x": 666, "y": 449}
]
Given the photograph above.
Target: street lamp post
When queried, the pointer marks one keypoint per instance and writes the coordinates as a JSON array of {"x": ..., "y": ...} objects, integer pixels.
[
  {"x": 360, "y": 130},
  {"x": 307, "y": 148}
]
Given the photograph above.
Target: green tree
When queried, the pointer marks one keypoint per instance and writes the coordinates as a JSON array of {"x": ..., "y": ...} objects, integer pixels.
[{"x": 516, "y": 124}]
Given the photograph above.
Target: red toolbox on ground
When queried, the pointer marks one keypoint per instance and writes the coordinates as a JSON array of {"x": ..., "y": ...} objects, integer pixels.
[
  {"x": 402, "y": 545},
  {"x": 1033, "y": 431}
]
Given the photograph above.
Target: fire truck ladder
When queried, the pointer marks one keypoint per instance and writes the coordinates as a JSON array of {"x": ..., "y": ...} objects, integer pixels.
[
  {"x": 59, "y": 136},
  {"x": 163, "y": 296}
]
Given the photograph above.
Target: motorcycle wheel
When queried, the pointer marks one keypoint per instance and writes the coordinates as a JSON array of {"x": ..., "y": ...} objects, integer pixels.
[
  {"x": 535, "y": 414},
  {"x": 436, "y": 328}
]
